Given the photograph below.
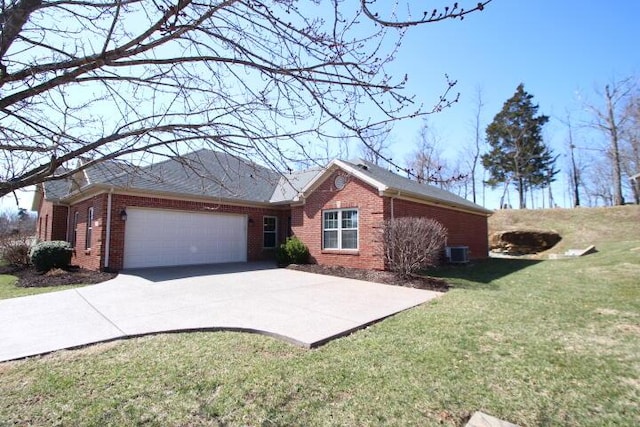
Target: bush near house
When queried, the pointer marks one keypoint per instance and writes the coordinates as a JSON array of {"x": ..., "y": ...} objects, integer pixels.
[
  {"x": 51, "y": 254},
  {"x": 293, "y": 251},
  {"x": 412, "y": 244},
  {"x": 14, "y": 250}
]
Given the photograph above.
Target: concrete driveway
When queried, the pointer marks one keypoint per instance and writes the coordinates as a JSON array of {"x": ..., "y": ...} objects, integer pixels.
[{"x": 302, "y": 308}]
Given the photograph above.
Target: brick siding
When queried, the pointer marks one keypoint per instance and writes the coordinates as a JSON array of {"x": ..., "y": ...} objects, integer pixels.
[
  {"x": 90, "y": 258},
  {"x": 307, "y": 223},
  {"x": 52, "y": 222},
  {"x": 464, "y": 228}
]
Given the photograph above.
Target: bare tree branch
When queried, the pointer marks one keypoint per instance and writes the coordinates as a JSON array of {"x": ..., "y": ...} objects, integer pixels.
[{"x": 267, "y": 79}]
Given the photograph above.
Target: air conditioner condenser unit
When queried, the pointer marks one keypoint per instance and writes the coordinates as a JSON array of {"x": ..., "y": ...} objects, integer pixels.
[{"x": 457, "y": 254}]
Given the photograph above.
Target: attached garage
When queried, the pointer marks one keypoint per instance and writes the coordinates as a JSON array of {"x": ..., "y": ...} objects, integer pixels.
[{"x": 158, "y": 237}]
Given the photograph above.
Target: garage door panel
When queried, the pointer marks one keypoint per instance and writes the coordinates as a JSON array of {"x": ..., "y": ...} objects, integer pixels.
[{"x": 165, "y": 237}]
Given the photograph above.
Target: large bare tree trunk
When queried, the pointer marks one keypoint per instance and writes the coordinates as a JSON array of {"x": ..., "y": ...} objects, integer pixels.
[
  {"x": 618, "y": 198},
  {"x": 612, "y": 119},
  {"x": 476, "y": 152}
]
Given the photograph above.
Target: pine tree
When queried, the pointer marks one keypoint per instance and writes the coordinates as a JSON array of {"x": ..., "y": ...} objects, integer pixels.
[{"x": 517, "y": 153}]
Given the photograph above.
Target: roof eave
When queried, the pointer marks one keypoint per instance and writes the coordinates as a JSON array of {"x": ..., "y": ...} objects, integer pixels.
[
  {"x": 397, "y": 192},
  {"x": 93, "y": 189}
]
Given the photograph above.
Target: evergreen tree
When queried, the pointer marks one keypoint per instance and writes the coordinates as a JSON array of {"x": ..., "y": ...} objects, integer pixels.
[{"x": 517, "y": 153}]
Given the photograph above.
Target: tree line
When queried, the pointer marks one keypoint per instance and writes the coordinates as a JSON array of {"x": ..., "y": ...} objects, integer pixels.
[{"x": 514, "y": 155}]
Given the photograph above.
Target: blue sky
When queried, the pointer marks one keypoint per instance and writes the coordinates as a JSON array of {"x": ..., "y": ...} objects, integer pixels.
[{"x": 560, "y": 50}]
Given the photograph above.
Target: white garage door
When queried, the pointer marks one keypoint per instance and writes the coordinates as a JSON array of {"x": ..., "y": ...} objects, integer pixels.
[{"x": 156, "y": 237}]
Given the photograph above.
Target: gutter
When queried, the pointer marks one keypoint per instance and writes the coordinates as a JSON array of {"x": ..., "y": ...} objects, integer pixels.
[
  {"x": 392, "y": 198},
  {"x": 440, "y": 202}
]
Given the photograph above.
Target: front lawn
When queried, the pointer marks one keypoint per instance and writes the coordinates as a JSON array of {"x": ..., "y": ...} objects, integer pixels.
[
  {"x": 8, "y": 288},
  {"x": 535, "y": 343},
  {"x": 27, "y": 281}
]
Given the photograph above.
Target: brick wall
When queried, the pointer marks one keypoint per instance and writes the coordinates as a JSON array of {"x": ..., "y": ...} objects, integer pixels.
[
  {"x": 92, "y": 257},
  {"x": 464, "y": 229},
  {"x": 52, "y": 222},
  {"x": 307, "y": 223}
]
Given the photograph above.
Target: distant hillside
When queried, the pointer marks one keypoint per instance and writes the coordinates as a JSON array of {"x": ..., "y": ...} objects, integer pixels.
[{"x": 579, "y": 227}]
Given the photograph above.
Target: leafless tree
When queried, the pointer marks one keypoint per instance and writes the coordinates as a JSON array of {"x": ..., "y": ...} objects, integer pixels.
[
  {"x": 611, "y": 119},
  {"x": 576, "y": 167},
  {"x": 375, "y": 145},
  {"x": 598, "y": 183},
  {"x": 266, "y": 79},
  {"x": 476, "y": 147},
  {"x": 631, "y": 145},
  {"x": 459, "y": 179},
  {"x": 426, "y": 163}
]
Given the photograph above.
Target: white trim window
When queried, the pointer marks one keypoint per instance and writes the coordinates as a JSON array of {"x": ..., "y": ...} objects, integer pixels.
[
  {"x": 89, "y": 234},
  {"x": 74, "y": 231},
  {"x": 269, "y": 232},
  {"x": 340, "y": 229}
]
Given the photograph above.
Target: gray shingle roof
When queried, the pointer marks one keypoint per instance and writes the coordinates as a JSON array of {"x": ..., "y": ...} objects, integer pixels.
[
  {"x": 221, "y": 175},
  {"x": 292, "y": 184},
  {"x": 56, "y": 189},
  {"x": 108, "y": 171},
  {"x": 400, "y": 183},
  {"x": 204, "y": 173}
]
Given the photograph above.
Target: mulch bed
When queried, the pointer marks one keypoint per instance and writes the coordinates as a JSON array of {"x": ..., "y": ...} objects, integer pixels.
[
  {"x": 385, "y": 277},
  {"x": 30, "y": 278}
]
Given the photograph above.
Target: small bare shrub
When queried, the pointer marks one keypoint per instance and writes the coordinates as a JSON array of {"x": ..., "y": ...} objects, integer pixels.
[
  {"x": 14, "y": 250},
  {"x": 412, "y": 244}
]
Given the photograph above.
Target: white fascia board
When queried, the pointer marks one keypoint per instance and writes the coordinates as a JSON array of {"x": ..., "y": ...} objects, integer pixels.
[
  {"x": 339, "y": 164},
  {"x": 362, "y": 176}
]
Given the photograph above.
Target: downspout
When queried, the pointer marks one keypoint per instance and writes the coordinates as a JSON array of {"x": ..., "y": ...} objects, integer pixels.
[
  {"x": 107, "y": 239},
  {"x": 392, "y": 198}
]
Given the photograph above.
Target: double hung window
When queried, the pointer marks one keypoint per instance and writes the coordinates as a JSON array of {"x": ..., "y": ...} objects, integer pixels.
[
  {"x": 340, "y": 229},
  {"x": 87, "y": 244}
]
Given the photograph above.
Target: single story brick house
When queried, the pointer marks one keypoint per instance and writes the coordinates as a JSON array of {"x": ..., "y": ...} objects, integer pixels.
[{"x": 212, "y": 207}]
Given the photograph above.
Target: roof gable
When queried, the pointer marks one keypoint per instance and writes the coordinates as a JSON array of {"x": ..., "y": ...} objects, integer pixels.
[
  {"x": 392, "y": 184},
  {"x": 292, "y": 184}
]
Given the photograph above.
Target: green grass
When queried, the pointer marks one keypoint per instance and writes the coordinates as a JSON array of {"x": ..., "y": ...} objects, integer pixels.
[
  {"x": 8, "y": 288},
  {"x": 533, "y": 342},
  {"x": 578, "y": 228}
]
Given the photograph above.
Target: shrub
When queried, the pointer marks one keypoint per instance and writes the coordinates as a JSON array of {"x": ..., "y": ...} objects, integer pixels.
[
  {"x": 412, "y": 244},
  {"x": 293, "y": 251},
  {"x": 14, "y": 250},
  {"x": 53, "y": 254}
]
